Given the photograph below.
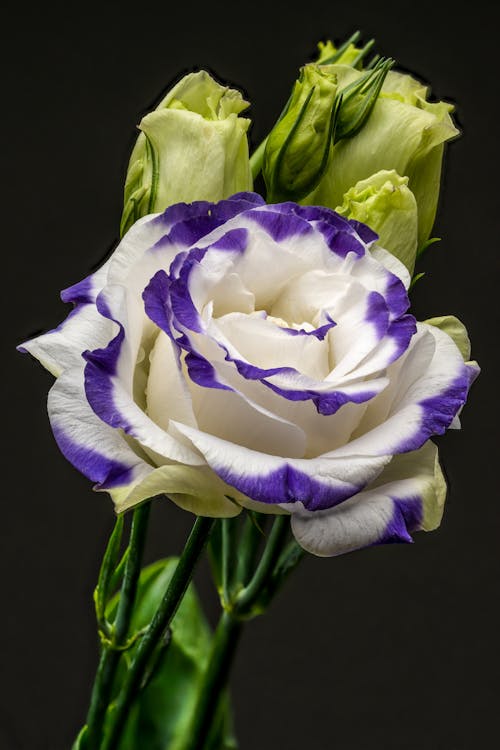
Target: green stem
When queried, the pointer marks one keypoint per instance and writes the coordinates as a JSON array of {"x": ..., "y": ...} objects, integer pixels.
[
  {"x": 103, "y": 683},
  {"x": 257, "y": 158},
  {"x": 242, "y": 607},
  {"x": 227, "y": 545},
  {"x": 247, "y": 548},
  {"x": 215, "y": 679},
  {"x": 273, "y": 548},
  {"x": 157, "y": 627}
]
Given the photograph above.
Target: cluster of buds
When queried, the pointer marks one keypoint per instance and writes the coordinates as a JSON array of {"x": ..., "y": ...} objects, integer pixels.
[
  {"x": 323, "y": 109},
  {"x": 355, "y": 136}
]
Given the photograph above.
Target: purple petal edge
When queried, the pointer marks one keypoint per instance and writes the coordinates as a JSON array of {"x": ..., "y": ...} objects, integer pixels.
[
  {"x": 289, "y": 485},
  {"x": 107, "y": 472}
]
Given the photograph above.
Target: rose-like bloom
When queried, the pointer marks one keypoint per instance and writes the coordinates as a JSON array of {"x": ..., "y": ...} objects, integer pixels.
[{"x": 240, "y": 353}]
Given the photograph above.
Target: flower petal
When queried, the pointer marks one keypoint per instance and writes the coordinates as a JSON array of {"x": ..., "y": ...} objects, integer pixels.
[
  {"x": 429, "y": 385},
  {"x": 109, "y": 383},
  {"x": 196, "y": 489},
  {"x": 61, "y": 349},
  {"x": 101, "y": 453},
  {"x": 316, "y": 483},
  {"x": 408, "y": 495}
]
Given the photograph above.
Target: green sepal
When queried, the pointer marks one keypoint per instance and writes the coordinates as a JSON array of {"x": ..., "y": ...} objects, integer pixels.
[
  {"x": 344, "y": 55},
  {"x": 416, "y": 279},
  {"x": 358, "y": 100},
  {"x": 426, "y": 245},
  {"x": 160, "y": 715}
]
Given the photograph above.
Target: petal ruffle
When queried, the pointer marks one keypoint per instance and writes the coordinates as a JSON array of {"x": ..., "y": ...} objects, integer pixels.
[
  {"x": 101, "y": 453},
  {"x": 408, "y": 495}
]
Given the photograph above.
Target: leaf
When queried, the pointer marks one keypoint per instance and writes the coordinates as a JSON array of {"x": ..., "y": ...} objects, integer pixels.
[{"x": 159, "y": 717}]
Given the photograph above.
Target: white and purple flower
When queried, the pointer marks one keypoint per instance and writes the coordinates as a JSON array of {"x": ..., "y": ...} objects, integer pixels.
[{"x": 244, "y": 354}]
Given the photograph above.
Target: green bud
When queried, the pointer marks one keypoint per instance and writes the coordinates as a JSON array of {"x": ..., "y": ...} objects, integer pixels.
[
  {"x": 298, "y": 147},
  {"x": 387, "y": 205},
  {"x": 193, "y": 146},
  {"x": 358, "y": 100},
  {"x": 346, "y": 54},
  {"x": 405, "y": 133}
]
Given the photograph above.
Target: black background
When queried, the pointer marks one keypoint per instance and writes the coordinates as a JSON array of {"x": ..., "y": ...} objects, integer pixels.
[{"x": 391, "y": 647}]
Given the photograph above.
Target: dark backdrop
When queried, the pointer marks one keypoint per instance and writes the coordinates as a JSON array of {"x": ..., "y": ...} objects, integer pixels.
[{"x": 391, "y": 647}]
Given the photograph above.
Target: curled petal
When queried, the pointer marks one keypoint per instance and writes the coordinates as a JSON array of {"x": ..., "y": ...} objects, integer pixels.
[
  {"x": 101, "y": 453},
  {"x": 407, "y": 496}
]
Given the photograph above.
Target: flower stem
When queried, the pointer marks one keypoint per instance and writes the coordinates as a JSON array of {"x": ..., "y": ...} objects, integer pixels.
[
  {"x": 251, "y": 537},
  {"x": 250, "y": 593},
  {"x": 215, "y": 679},
  {"x": 246, "y": 604},
  {"x": 157, "y": 627},
  {"x": 257, "y": 158},
  {"x": 103, "y": 683}
]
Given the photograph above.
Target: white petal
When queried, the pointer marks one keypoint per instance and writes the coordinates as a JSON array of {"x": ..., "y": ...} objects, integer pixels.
[
  {"x": 97, "y": 450},
  {"x": 61, "y": 349},
  {"x": 428, "y": 386},
  {"x": 393, "y": 264},
  {"x": 273, "y": 479},
  {"x": 167, "y": 393},
  {"x": 408, "y": 495},
  {"x": 196, "y": 489},
  {"x": 264, "y": 344},
  {"x": 234, "y": 417}
]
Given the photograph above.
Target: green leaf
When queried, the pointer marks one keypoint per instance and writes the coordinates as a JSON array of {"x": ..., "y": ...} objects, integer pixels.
[{"x": 160, "y": 715}]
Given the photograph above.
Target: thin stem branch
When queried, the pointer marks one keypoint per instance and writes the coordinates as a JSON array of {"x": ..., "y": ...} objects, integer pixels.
[
  {"x": 215, "y": 679},
  {"x": 247, "y": 549},
  {"x": 132, "y": 570},
  {"x": 227, "y": 544},
  {"x": 103, "y": 683},
  {"x": 257, "y": 158},
  {"x": 266, "y": 564},
  {"x": 157, "y": 627}
]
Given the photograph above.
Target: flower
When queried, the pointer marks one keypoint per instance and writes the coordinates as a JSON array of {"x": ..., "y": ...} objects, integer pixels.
[
  {"x": 404, "y": 132},
  {"x": 299, "y": 145},
  {"x": 193, "y": 146},
  {"x": 385, "y": 202},
  {"x": 243, "y": 354}
]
